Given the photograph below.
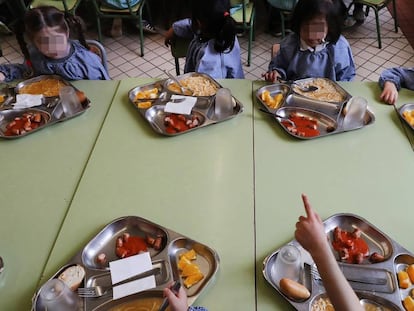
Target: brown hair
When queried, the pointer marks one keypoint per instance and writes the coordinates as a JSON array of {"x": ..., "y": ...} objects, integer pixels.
[{"x": 47, "y": 16}]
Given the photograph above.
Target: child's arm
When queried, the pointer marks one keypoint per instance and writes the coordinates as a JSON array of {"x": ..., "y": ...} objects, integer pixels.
[
  {"x": 181, "y": 28},
  {"x": 389, "y": 93},
  {"x": 10, "y": 72},
  {"x": 391, "y": 80},
  {"x": 344, "y": 60},
  {"x": 310, "y": 233}
]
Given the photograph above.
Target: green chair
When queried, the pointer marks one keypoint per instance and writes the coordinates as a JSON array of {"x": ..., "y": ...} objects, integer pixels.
[
  {"x": 377, "y": 5},
  {"x": 69, "y": 6},
  {"x": 179, "y": 47},
  {"x": 285, "y": 8},
  {"x": 243, "y": 12},
  {"x": 132, "y": 13}
]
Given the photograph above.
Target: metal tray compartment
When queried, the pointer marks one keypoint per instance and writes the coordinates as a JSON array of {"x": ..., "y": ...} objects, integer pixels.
[
  {"x": 406, "y": 109},
  {"x": 152, "y": 109},
  {"x": 7, "y": 116},
  {"x": 51, "y": 107},
  {"x": 297, "y": 102},
  {"x": 385, "y": 293},
  {"x": 172, "y": 87},
  {"x": 166, "y": 258},
  {"x": 326, "y": 90}
]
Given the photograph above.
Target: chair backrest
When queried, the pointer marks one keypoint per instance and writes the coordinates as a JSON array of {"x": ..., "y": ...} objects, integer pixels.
[
  {"x": 284, "y": 5},
  {"x": 64, "y": 5},
  {"x": 97, "y": 48}
]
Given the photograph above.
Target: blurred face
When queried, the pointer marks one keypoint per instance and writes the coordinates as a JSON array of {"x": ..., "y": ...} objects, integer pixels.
[
  {"x": 52, "y": 43},
  {"x": 314, "y": 31}
]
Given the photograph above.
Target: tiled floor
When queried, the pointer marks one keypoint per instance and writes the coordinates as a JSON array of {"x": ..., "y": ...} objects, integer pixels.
[{"x": 124, "y": 60}]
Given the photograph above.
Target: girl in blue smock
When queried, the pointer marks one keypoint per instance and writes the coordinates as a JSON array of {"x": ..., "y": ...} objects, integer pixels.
[
  {"x": 51, "y": 51},
  {"x": 316, "y": 47},
  {"x": 214, "y": 48},
  {"x": 392, "y": 80}
]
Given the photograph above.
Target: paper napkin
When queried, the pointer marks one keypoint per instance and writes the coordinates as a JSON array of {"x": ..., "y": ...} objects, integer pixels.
[
  {"x": 124, "y": 268},
  {"x": 27, "y": 101},
  {"x": 183, "y": 104}
]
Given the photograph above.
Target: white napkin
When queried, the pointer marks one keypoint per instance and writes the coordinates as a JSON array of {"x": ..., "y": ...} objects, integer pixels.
[
  {"x": 183, "y": 107},
  {"x": 124, "y": 268},
  {"x": 27, "y": 101}
]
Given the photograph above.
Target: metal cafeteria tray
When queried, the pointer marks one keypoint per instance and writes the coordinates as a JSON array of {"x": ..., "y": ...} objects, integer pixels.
[
  {"x": 406, "y": 108},
  {"x": 203, "y": 110},
  {"x": 329, "y": 115},
  {"x": 173, "y": 244},
  {"x": 51, "y": 108},
  {"x": 365, "y": 277}
]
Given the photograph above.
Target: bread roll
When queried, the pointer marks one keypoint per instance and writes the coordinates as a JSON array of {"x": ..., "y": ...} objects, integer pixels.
[
  {"x": 73, "y": 276},
  {"x": 293, "y": 289}
]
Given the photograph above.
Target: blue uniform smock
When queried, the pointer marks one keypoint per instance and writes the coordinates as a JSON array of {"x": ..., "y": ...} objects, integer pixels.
[
  {"x": 400, "y": 76},
  {"x": 334, "y": 61},
  {"x": 202, "y": 57},
  {"x": 80, "y": 64}
]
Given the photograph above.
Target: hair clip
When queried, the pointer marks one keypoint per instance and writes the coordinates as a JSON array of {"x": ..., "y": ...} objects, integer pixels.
[{"x": 226, "y": 14}]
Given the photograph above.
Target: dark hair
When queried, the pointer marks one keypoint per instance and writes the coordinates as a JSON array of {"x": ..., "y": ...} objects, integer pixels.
[
  {"x": 211, "y": 18},
  {"x": 305, "y": 10},
  {"x": 47, "y": 16}
]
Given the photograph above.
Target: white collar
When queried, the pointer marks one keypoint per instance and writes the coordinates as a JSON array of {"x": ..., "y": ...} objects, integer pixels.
[{"x": 318, "y": 48}]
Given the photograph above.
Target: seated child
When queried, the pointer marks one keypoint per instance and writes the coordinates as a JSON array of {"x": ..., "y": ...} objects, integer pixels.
[
  {"x": 392, "y": 80},
  {"x": 316, "y": 47},
  {"x": 214, "y": 49},
  {"x": 51, "y": 51}
]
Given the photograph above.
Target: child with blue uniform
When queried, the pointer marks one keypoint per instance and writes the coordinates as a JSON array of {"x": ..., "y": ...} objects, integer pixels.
[
  {"x": 51, "y": 51},
  {"x": 214, "y": 48},
  {"x": 316, "y": 47},
  {"x": 392, "y": 80}
]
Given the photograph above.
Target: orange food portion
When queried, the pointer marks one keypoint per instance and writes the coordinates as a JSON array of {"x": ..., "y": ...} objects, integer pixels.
[
  {"x": 144, "y": 105},
  {"x": 408, "y": 303},
  {"x": 190, "y": 271},
  {"x": 403, "y": 279},
  {"x": 410, "y": 271},
  {"x": 147, "y": 94},
  {"x": 272, "y": 102}
]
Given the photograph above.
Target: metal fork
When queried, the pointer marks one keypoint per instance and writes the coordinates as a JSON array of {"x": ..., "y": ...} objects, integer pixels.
[
  {"x": 363, "y": 279},
  {"x": 99, "y": 291}
]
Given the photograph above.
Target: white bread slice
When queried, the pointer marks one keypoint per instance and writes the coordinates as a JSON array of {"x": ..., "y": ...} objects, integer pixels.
[{"x": 73, "y": 276}]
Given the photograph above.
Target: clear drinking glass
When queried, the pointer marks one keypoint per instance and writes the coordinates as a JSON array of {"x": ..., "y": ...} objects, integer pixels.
[
  {"x": 223, "y": 106},
  {"x": 55, "y": 295},
  {"x": 288, "y": 264},
  {"x": 70, "y": 101}
]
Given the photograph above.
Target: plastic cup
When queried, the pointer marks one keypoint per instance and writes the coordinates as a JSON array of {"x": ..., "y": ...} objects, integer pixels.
[
  {"x": 70, "y": 101},
  {"x": 288, "y": 264},
  {"x": 223, "y": 107},
  {"x": 56, "y": 295}
]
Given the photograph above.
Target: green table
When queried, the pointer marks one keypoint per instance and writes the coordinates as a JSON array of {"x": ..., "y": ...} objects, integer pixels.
[
  {"x": 199, "y": 184},
  {"x": 234, "y": 186},
  {"x": 40, "y": 173},
  {"x": 367, "y": 172}
]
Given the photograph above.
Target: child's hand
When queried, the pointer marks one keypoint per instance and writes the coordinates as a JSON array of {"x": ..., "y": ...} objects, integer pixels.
[
  {"x": 179, "y": 302},
  {"x": 169, "y": 36},
  {"x": 310, "y": 232},
  {"x": 271, "y": 76},
  {"x": 389, "y": 94}
]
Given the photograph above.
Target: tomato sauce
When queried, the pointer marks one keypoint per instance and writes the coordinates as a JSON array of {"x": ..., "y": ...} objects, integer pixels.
[
  {"x": 21, "y": 125},
  {"x": 356, "y": 246},
  {"x": 131, "y": 246},
  {"x": 177, "y": 123},
  {"x": 304, "y": 126}
]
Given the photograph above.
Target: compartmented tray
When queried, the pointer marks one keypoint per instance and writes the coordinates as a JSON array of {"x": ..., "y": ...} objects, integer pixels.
[
  {"x": 406, "y": 113},
  {"x": 150, "y": 100},
  {"x": 322, "y": 110},
  {"x": 50, "y": 110},
  {"x": 374, "y": 283},
  {"x": 165, "y": 257}
]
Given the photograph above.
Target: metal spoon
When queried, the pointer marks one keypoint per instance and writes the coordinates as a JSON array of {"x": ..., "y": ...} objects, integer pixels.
[
  {"x": 183, "y": 89},
  {"x": 174, "y": 288},
  {"x": 309, "y": 88},
  {"x": 279, "y": 117}
]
